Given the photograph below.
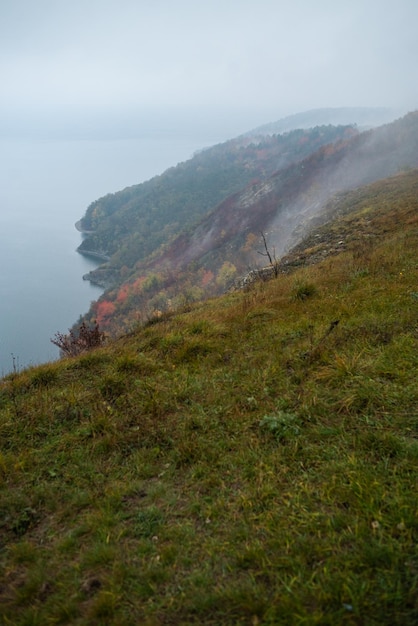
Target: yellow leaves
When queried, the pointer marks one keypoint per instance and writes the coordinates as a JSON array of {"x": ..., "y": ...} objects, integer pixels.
[{"x": 226, "y": 274}]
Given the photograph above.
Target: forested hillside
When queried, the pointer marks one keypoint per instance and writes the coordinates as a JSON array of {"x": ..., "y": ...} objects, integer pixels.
[
  {"x": 131, "y": 224},
  {"x": 209, "y": 257}
]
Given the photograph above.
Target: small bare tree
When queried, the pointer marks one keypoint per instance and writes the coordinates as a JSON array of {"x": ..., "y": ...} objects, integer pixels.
[
  {"x": 83, "y": 339},
  {"x": 274, "y": 263}
]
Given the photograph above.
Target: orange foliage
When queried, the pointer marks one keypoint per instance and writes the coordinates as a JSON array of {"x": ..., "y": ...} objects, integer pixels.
[
  {"x": 104, "y": 310},
  {"x": 137, "y": 285},
  {"x": 123, "y": 293},
  {"x": 207, "y": 277}
]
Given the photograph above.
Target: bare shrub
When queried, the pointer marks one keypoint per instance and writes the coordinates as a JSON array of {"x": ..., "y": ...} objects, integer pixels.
[{"x": 78, "y": 341}]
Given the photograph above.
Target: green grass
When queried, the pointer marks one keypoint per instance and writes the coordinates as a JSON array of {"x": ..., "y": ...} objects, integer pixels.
[{"x": 236, "y": 464}]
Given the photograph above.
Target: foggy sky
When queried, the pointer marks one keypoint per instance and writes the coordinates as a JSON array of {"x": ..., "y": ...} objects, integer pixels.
[{"x": 122, "y": 65}]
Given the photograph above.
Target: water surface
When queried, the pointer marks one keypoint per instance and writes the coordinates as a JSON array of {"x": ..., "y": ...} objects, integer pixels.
[{"x": 45, "y": 187}]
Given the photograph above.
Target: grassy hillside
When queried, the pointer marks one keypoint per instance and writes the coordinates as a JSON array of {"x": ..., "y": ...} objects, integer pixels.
[{"x": 250, "y": 460}]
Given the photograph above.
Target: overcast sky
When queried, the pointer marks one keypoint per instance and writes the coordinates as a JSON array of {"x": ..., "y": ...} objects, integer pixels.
[{"x": 235, "y": 63}]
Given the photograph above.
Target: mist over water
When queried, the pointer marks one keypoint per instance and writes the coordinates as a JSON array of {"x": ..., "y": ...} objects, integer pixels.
[{"x": 45, "y": 187}]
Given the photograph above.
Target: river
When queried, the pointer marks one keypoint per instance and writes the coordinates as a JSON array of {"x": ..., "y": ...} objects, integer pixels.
[{"x": 45, "y": 187}]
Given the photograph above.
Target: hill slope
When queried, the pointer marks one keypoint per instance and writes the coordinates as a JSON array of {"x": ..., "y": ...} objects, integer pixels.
[
  {"x": 251, "y": 460},
  {"x": 130, "y": 225},
  {"x": 206, "y": 259}
]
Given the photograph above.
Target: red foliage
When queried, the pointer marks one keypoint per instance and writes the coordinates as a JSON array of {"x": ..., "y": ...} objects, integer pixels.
[
  {"x": 137, "y": 285},
  {"x": 122, "y": 293},
  {"x": 207, "y": 278},
  {"x": 104, "y": 310}
]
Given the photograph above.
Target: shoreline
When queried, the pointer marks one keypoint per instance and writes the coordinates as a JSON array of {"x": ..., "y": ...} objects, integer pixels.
[
  {"x": 81, "y": 229},
  {"x": 90, "y": 253},
  {"x": 94, "y": 255}
]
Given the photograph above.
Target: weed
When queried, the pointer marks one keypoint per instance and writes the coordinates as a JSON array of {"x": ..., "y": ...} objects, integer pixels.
[
  {"x": 44, "y": 377},
  {"x": 25, "y": 520},
  {"x": 147, "y": 522},
  {"x": 281, "y": 425},
  {"x": 111, "y": 387},
  {"x": 199, "y": 327},
  {"x": 304, "y": 290}
]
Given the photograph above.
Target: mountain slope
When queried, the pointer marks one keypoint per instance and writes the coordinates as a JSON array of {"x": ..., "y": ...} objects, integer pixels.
[
  {"x": 206, "y": 259},
  {"x": 130, "y": 225},
  {"x": 251, "y": 460}
]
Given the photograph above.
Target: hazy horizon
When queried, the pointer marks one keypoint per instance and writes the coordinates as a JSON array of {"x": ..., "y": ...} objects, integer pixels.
[{"x": 122, "y": 68}]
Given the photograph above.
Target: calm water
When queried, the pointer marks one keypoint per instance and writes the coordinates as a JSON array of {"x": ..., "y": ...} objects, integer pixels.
[{"x": 45, "y": 187}]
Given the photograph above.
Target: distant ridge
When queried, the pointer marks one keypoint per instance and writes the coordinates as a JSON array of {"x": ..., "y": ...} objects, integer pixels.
[{"x": 363, "y": 117}]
